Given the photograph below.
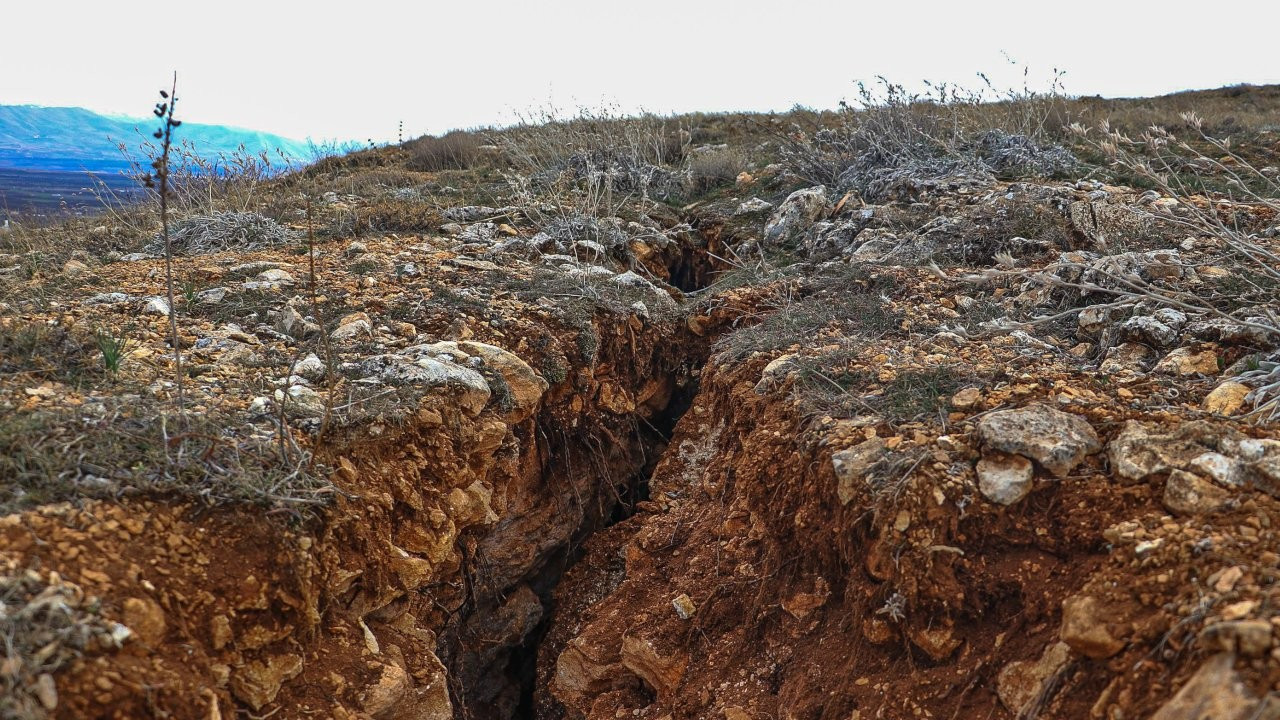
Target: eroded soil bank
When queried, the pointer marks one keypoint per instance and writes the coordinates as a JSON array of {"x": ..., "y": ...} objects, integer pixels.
[{"x": 696, "y": 485}]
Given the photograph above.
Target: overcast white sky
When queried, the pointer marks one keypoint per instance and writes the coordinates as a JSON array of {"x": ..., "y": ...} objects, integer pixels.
[{"x": 352, "y": 70}]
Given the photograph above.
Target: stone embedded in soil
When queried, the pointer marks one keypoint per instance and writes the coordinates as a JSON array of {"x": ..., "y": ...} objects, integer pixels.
[
  {"x": 145, "y": 618},
  {"x": 1126, "y": 360},
  {"x": 937, "y": 640},
  {"x": 1251, "y": 638},
  {"x": 1215, "y": 692},
  {"x": 852, "y": 463},
  {"x": 1004, "y": 479},
  {"x": 802, "y": 604},
  {"x": 431, "y": 372},
  {"x": 526, "y": 386},
  {"x": 301, "y": 402},
  {"x": 584, "y": 669},
  {"x": 1226, "y": 399},
  {"x": 1140, "y": 451},
  {"x": 46, "y": 691},
  {"x": 966, "y": 398},
  {"x": 74, "y": 268},
  {"x": 290, "y": 322},
  {"x": 110, "y": 298},
  {"x": 381, "y": 700},
  {"x": 1149, "y": 330},
  {"x": 155, "y": 306},
  {"x": 1020, "y": 682},
  {"x": 661, "y": 672},
  {"x": 311, "y": 368},
  {"x": 753, "y": 205},
  {"x": 1225, "y": 471},
  {"x": 1057, "y": 440},
  {"x": 258, "y": 682},
  {"x": 1189, "y": 361},
  {"x": 799, "y": 211},
  {"x": 1088, "y": 628},
  {"x": 684, "y": 606},
  {"x": 352, "y": 326},
  {"x": 1189, "y": 494},
  {"x": 275, "y": 275}
]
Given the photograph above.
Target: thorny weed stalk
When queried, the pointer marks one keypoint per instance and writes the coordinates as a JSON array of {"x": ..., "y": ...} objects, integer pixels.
[{"x": 158, "y": 179}]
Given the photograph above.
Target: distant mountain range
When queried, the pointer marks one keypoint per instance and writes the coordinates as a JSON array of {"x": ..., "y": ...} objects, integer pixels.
[{"x": 74, "y": 139}]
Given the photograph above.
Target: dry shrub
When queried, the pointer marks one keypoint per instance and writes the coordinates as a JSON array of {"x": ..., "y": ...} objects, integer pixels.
[
  {"x": 711, "y": 169},
  {"x": 202, "y": 184},
  {"x": 396, "y": 214},
  {"x": 601, "y": 151},
  {"x": 219, "y": 231},
  {"x": 894, "y": 134},
  {"x": 457, "y": 150},
  {"x": 1185, "y": 166}
]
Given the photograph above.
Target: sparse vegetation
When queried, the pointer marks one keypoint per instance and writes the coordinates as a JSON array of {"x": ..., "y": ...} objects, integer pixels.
[
  {"x": 40, "y": 350},
  {"x": 844, "y": 301},
  {"x": 127, "y": 448},
  {"x": 836, "y": 398}
]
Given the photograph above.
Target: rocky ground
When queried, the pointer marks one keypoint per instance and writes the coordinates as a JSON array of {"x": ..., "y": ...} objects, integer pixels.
[{"x": 772, "y": 451}]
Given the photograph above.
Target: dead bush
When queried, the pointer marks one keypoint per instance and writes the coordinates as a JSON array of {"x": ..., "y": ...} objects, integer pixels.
[
  {"x": 219, "y": 231},
  {"x": 457, "y": 150},
  {"x": 894, "y": 135},
  {"x": 398, "y": 214},
  {"x": 714, "y": 168}
]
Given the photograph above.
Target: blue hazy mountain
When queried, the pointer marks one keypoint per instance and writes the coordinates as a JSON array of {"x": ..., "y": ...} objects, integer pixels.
[{"x": 74, "y": 139}]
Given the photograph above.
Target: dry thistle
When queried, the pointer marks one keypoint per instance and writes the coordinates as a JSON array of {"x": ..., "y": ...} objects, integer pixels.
[{"x": 159, "y": 178}]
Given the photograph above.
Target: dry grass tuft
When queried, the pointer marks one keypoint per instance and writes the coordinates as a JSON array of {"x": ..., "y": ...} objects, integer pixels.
[{"x": 127, "y": 448}]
